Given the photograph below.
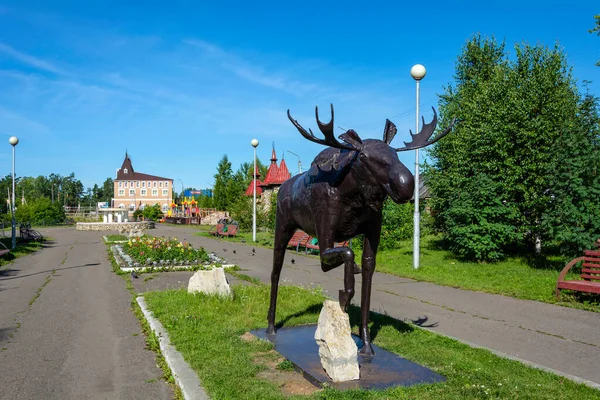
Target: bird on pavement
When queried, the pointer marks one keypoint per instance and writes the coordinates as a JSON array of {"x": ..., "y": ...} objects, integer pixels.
[
  {"x": 234, "y": 252},
  {"x": 250, "y": 254},
  {"x": 225, "y": 250},
  {"x": 253, "y": 250},
  {"x": 134, "y": 275},
  {"x": 293, "y": 261}
]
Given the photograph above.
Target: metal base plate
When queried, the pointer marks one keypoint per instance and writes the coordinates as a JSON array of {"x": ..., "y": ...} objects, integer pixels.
[{"x": 384, "y": 370}]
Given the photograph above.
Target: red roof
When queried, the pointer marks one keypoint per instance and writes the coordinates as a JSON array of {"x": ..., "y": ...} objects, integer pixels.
[
  {"x": 250, "y": 190},
  {"x": 276, "y": 175}
]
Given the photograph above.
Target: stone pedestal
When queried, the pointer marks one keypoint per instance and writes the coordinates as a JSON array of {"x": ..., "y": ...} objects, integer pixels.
[
  {"x": 210, "y": 282},
  {"x": 337, "y": 349}
]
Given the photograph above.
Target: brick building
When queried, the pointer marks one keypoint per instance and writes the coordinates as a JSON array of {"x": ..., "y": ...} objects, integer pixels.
[
  {"x": 133, "y": 190},
  {"x": 276, "y": 175}
]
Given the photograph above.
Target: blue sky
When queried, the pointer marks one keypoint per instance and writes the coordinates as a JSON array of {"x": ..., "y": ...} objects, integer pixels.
[{"x": 179, "y": 84}]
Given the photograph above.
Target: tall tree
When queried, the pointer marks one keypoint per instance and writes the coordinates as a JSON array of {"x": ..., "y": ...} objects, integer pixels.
[
  {"x": 596, "y": 30},
  {"x": 495, "y": 170},
  {"x": 222, "y": 178}
]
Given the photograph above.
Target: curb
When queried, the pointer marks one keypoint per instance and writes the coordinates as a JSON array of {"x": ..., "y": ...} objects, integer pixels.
[{"x": 185, "y": 377}]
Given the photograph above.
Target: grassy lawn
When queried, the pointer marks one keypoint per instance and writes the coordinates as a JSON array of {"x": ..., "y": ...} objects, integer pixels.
[
  {"x": 514, "y": 277},
  {"x": 207, "y": 330},
  {"x": 23, "y": 249}
]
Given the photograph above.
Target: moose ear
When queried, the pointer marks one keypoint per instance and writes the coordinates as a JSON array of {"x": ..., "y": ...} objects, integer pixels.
[
  {"x": 389, "y": 131},
  {"x": 352, "y": 138}
]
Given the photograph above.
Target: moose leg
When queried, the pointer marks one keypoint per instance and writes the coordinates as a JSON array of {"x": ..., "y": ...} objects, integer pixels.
[
  {"x": 371, "y": 243},
  {"x": 282, "y": 237},
  {"x": 334, "y": 257}
]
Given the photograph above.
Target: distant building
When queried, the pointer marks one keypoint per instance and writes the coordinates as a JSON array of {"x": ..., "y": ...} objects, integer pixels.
[
  {"x": 276, "y": 175},
  {"x": 133, "y": 190},
  {"x": 250, "y": 190}
]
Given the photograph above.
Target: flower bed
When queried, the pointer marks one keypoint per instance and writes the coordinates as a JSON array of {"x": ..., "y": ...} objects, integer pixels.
[{"x": 149, "y": 250}]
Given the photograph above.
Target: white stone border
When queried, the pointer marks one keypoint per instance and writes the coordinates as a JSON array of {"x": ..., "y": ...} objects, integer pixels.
[{"x": 184, "y": 375}]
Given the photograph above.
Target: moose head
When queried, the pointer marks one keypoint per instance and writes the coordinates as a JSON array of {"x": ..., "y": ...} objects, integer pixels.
[{"x": 341, "y": 196}]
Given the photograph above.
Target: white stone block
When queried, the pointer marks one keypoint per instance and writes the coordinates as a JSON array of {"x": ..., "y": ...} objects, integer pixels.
[
  {"x": 210, "y": 282},
  {"x": 337, "y": 350}
]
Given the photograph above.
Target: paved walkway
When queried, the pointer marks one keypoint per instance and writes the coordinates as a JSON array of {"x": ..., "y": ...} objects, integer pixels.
[
  {"x": 558, "y": 338},
  {"x": 67, "y": 330}
]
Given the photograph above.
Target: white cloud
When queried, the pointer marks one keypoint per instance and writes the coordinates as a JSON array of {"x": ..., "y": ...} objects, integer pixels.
[{"x": 29, "y": 60}]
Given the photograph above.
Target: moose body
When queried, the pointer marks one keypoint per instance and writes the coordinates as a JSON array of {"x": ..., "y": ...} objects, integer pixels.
[{"x": 341, "y": 196}]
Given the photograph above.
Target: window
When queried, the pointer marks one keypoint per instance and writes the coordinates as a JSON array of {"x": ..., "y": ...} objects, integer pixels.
[
  {"x": 132, "y": 207},
  {"x": 126, "y": 183},
  {"x": 120, "y": 184},
  {"x": 167, "y": 184},
  {"x": 121, "y": 192},
  {"x": 165, "y": 207},
  {"x": 142, "y": 206},
  {"x": 155, "y": 192},
  {"x": 154, "y": 184},
  {"x": 121, "y": 205},
  {"x": 160, "y": 184},
  {"x": 132, "y": 192},
  {"x": 137, "y": 184},
  {"x": 165, "y": 192},
  {"x": 130, "y": 184},
  {"x": 125, "y": 170},
  {"x": 144, "y": 184},
  {"x": 143, "y": 192}
]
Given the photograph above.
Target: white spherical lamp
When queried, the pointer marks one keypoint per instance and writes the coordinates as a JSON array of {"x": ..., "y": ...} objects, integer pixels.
[
  {"x": 418, "y": 72},
  {"x": 13, "y": 140},
  {"x": 254, "y": 142}
]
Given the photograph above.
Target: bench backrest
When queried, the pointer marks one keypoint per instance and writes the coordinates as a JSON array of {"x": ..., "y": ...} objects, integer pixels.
[
  {"x": 298, "y": 235},
  {"x": 590, "y": 270}
]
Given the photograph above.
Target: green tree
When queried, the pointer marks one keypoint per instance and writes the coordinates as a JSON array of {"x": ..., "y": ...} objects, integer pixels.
[
  {"x": 152, "y": 212},
  {"x": 572, "y": 218},
  {"x": 107, "y": 192},
  {"x": 222, "y": 178},
  {"x": 596, "y": 30},
  {"x": 513, "y": 118},
  {"x": 40, "y": 210}
]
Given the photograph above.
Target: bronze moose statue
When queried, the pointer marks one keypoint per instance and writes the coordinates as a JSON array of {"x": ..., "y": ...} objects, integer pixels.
[{"x": 341, "y": 196}]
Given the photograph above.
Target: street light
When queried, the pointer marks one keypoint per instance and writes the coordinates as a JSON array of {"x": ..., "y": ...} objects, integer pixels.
[
  {"x": 13, "y": 141},
  {"x": 417, "y": 72},
  {"x": 299, "y": 162},
  {"x": 254, "y": 144}
]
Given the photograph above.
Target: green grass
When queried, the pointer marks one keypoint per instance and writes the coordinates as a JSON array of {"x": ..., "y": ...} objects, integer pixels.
[
  {"x": 207, "y": 330},
  {"x": 23, "y": 248},
  {"x": 513, "y": 277},
  {"x": 116, "y": 238}
]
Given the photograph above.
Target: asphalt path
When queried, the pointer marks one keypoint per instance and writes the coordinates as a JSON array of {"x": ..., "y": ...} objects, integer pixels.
[
  {"x": 552, "y": 337},
  {"x": 67, "y": 330}
]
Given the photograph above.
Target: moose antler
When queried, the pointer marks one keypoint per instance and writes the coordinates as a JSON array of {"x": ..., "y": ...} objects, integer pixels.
[
  {"x": 421, "y": 139},
  {"x": 326, "y": 129}
]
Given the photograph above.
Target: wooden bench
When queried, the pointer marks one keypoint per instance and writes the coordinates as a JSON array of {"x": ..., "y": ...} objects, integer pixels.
[
  {"x": 231, "y": 231},
  {"x": 590, "y": 274},
  {"x": 298, "y": 237},
  {"x": 218, "y": 230}
]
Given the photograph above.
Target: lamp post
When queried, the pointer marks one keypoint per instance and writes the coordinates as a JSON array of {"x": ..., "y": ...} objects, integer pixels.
[
  {"x": 417, "y": 72},
  {"x": 254, "y": 144},
  {"x": 13, "y": 141},
  {"x": 299, "y": 161}
]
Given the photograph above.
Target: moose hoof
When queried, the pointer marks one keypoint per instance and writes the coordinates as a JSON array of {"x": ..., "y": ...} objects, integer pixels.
[
  {"x": 367, "y": 350},
  {"x": 357, "y": 269}
]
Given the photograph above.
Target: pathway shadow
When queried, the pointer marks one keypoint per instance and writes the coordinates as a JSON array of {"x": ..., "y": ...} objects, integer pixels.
[
  {"x": 11, "y": 273},
  {"x": 378, "y": 321}
]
